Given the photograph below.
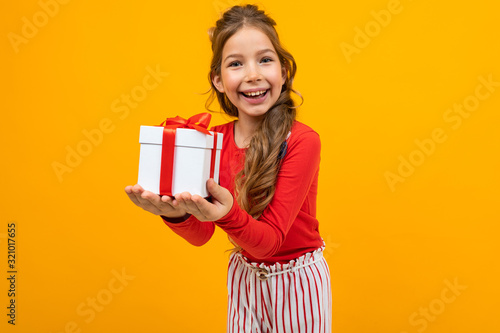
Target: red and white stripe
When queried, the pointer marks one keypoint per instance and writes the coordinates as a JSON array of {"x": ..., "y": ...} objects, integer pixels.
[{"x": 290, "y": 300}]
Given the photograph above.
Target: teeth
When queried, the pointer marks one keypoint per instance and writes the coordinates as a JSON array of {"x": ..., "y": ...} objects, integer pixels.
[{"x": 255, "y": 93}]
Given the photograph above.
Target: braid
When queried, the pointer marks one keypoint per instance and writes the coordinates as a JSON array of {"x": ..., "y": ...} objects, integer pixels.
[{"x": 256, "y": 182}]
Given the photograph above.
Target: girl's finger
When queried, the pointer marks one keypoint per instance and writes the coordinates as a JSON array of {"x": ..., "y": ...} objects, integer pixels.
[
  {"x": 167, "y": 199},
  {"x": 184, "y": 201},
  {"x": 206, "y": 209},
  {"x": 158, "y": 203},
  {"x": 133, "y": 197},
  {"x": 183, "y": 204},
  {"x": 144, "y": 198},
  {"x": 134, "y": 193}
]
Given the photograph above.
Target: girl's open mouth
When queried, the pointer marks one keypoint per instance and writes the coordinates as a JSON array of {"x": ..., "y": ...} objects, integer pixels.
[{"x": 255, "y": 96}]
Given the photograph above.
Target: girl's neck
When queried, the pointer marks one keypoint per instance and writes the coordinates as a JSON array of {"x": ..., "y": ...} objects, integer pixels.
[{"x": 244, "y": 129}]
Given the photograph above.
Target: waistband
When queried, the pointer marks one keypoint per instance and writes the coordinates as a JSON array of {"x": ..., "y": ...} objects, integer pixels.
[{"x": 265, "y": 271}]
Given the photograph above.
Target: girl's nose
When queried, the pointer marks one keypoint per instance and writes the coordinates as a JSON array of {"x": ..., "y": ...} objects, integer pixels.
[{"x": 252, "y": 74}]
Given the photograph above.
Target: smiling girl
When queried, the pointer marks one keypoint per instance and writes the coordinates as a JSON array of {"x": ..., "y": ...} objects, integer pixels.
[{"x": 278, "y": 280}]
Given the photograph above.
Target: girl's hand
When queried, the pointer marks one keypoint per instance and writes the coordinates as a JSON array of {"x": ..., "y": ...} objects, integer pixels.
[
  {"x": 222, "y": 202},
  {"x": 153, "y": 203}
]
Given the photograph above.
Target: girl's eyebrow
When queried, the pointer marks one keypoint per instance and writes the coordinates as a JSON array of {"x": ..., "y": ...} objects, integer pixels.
[{"x": 237, "y": 55}]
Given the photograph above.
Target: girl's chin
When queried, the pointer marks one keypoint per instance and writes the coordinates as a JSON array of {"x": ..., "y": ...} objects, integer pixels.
[{"x": 252, "y": 114}]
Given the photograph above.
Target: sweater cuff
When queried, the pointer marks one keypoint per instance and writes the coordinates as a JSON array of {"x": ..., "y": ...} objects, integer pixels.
[{"x": 176, "y": 219}]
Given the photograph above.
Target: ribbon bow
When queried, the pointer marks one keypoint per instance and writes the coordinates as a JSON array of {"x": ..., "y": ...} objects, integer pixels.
[{"x": 197, "y": 122}]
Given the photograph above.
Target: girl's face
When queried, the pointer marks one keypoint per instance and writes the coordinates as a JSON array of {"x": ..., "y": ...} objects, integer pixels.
[{"x": 251, "y": 73}]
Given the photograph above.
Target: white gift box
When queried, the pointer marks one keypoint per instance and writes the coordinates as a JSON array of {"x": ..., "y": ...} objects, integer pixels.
[{"x": 192, "y": 160}]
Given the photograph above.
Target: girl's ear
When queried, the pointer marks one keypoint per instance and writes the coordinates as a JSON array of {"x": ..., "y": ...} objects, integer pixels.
[
  {"x": 283, "y": 74},
  {"x": 216, "y": 80}
]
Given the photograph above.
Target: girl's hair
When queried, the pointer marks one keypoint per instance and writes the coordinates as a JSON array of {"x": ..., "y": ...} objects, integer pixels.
[{"x": 255, "y": 183}]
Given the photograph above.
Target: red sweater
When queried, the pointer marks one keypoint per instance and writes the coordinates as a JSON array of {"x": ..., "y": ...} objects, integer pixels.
[{"x": 288, "y": 227}]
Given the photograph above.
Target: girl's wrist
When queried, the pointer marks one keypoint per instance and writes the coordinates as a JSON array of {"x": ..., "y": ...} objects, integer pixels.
[{"x": 178, "y": 219}]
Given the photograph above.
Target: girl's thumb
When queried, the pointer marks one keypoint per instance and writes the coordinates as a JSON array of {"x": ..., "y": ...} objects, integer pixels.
[
  {"x": 219, "y": 193},
  {"x": 213, "y": 188}
]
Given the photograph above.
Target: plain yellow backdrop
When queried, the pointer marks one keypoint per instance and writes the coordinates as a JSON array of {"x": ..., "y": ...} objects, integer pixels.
[{"x": 404, "y": 94}]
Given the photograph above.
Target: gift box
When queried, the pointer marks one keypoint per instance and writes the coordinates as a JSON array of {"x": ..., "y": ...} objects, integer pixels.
[{"x": 179, "y": 156}]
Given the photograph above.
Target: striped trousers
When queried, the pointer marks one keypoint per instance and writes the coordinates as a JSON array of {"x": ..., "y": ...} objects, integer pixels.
[{"x": 293, "y": 297}]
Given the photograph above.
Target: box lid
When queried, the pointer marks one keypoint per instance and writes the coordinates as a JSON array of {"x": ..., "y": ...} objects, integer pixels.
[{"x": 184, "y": 137}]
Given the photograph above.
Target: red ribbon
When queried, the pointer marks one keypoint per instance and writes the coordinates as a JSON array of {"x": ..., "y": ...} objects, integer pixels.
[
  {"x": 214, "y": 152},
  {"x": 198, "y": 122}
]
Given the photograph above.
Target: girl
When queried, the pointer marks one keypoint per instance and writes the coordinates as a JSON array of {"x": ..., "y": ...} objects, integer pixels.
[{"x": 278, "y": 280}]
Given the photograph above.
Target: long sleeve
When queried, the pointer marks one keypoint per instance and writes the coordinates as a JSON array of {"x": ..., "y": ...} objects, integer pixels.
[
  {"x": 195, "y": 232},
  {"x": 294, "y": 199}
]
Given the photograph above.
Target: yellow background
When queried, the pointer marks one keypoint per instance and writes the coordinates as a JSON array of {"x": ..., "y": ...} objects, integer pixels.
[{"x": 392, "y": 251}]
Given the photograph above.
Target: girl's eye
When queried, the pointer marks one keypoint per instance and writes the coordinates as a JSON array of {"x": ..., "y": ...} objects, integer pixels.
[
  {"x": 234, "y": 64},
  {"x": 266, "y": 60}
]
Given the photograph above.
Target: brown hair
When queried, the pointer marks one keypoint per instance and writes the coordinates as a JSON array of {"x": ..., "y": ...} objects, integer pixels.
[{"x": 255, "y": 184}]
